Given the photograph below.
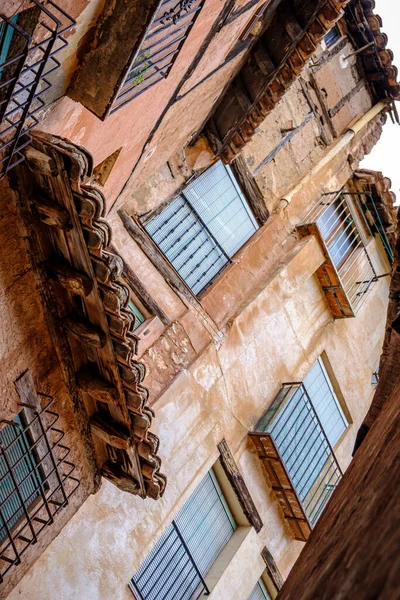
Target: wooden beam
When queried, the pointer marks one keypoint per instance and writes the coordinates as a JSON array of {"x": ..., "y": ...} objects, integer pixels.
[
  {"x": 272, "y": 569},
  {"x": 52, "y": 214},
  {"x": 109, "y": 433},
  {"x": 291, "y": 24},
  {"x": 26, "y": 390},
  {"x": 239, "y": 486},
  {"x": 314, "y": 108},
  {"x": 84, "y": 331},
  {"x": 284, "y": 141},
  {"x": 39, "y": 162},
  {"x": 98, "y": 389},
  {"x": 250, "y": 189},
  {"x": 321, "y": 101},
  {"x": 72, "y": 280},
  {"x": 121, "y": 480}
]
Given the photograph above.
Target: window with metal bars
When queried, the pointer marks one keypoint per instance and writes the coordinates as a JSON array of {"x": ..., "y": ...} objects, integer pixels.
[
  {"x": 159, "y": 49},
  {"x": 29, "y": 42},
  {"x": 351, "y": 271},
  {"x": 176, "y": 567},
  {"x": 27, "y": 477},
  {"x": 201, "y": 229},
  {"x": 259, "y": 592},
  {"x": 305, "y": 421},
  {"x": 36, "y": 479}
]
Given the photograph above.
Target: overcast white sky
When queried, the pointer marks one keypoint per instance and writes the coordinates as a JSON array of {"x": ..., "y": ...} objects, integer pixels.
[{"x": 385, "y": 156}]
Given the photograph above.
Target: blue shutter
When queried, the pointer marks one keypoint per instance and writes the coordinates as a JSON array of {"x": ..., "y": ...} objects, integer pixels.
[
  {"x": 325, "y": 402},
  {"x": 200, "y": 230},
  {"x": 259, "y": 592},
  {"x": 139, "y": 316},
  {"x": 301, "y": 439},
  {"x": 300, "y": 442},
  {"x": 6, "y": 36},
  {"x": 217, "y": 198},
  {"x": 206, "y": 525},
  {"x": 22, "y": 462}
]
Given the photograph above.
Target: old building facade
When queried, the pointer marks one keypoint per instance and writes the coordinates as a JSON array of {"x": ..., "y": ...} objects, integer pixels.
[{"x": 194, "y": 287}]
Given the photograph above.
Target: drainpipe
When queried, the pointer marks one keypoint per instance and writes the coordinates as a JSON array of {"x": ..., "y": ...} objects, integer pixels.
[{"x": 333, "y": 152}]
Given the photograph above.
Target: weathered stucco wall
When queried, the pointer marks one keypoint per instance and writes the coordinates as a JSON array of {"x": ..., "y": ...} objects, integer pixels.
[
  {"x": 354, "y": 550},
  {"x": 275, "y": 175},
  {"x": 25, "y": 344},
  {"x": 130, "y": 127},
  {"x": 276, "y": 338}
]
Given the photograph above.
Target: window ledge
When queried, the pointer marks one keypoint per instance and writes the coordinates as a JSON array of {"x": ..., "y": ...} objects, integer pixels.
[
  {"x": 148, "y": 333},
  {"x": 242, "y": 555}
]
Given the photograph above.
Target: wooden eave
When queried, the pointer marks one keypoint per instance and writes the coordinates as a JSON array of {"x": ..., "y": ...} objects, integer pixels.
[
  {"x": 261, "y": 83},
  {"x": 328, "y": 276},
  {"x": 86, "y": 308},
  {"x": 364, "y": 27},
  {"x": 282, "y": 485}
]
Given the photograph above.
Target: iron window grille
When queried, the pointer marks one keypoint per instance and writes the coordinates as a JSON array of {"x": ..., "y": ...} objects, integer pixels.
[
  {"x": 37, "y": 479},
  {"x": 304, "y": 422},
  {"x": 163, "y": 40},
  {"x": 27, "y": 61},
  {"x": 342, "y": 221},
  {"x": 176, "y": 567},
  {"x": 201, "y": 229}
]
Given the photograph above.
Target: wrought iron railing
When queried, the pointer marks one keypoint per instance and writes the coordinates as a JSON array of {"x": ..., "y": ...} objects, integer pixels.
[
  {"x": 171, "y": 25},
  {"x": 302, "y": 447},
  {"x": 26, "y": 66},
  {"x": 37, "y": 479},
  {"x": 343, "y": 229},
  {"x": 170, "y": 571}
]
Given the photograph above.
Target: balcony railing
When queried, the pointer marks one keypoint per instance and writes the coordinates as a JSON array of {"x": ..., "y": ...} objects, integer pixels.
[
  {"x": 171, "y": 25},
  {"x": 348, "y": 274},
  {"x": 37, "y": 479},
  {"x": 26, "y": 65},
  {"x": 297, "y": 457}
]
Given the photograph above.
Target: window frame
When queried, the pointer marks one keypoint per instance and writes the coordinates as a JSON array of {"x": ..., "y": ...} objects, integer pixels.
[
  {"x": 184, "y": 543},
  {"x": 247, "y": 205}
]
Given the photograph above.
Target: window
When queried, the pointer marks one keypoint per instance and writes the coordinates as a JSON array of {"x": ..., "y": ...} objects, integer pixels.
[
  {"x": 260, "y": 592},
  {"x": 305, "y": 436},
  {"x": 29, "y": 42},
  {"x": 303, "y": 424},
  {"x": 332, "y": 37},
  {"x": 184, "y": 554},
  {"x": 339, "y": 231},
  {"x": 139, "y": 316},
  {"x": 202, "y": 228},
  {"x": 36, "y": 480},
  {"x": 348, "y": 274},
  {"x": 20, "y": 478},
  {"x": 375, "y": 378},
  {"x": 158, "y": 51},
  {"x": 6, "y": 36}
]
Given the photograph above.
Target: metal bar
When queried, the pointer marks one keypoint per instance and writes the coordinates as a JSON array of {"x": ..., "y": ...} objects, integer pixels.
[
  {"x": 17, "y": 490},
  {"x": 207, "y": 591},
  {"x": 206, "y": 228}
]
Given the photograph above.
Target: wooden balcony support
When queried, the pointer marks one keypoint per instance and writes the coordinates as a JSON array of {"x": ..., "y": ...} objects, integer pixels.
[{"x": 282, "y": 486}]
